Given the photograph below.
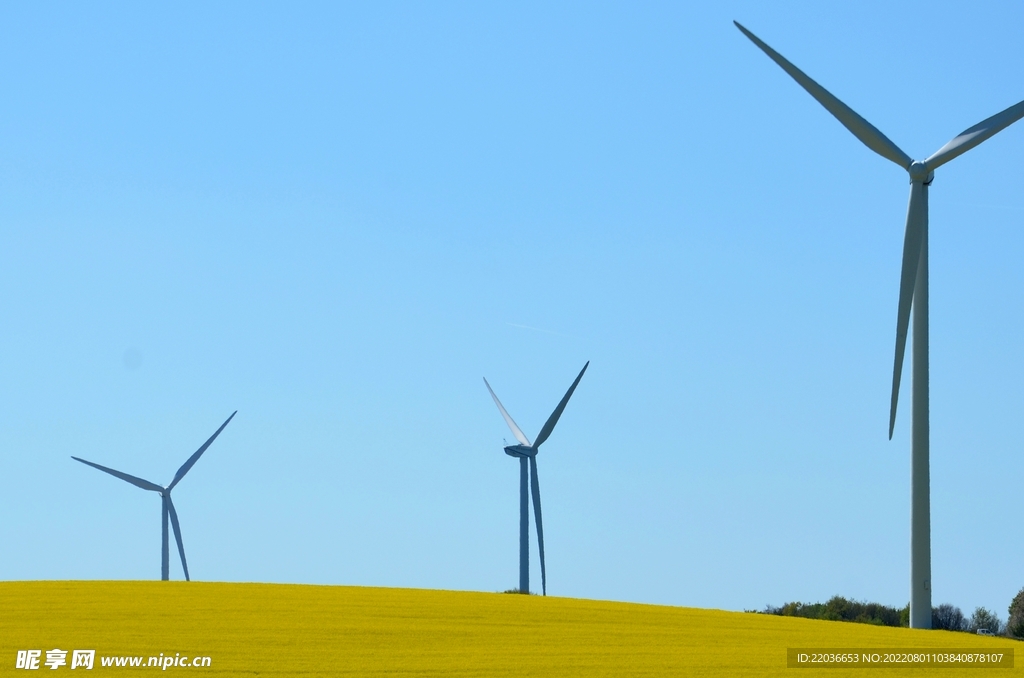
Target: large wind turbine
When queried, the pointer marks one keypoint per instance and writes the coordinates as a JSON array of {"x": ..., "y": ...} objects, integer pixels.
[
  {"x": 528, "y": 451},
  {"x": 165, "y": 494},
  {"x": 913, "y": 294}
]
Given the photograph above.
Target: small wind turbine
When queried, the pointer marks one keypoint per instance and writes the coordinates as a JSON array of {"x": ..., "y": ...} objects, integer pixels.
[
  {"x": 528, "y": 451},
  {"x": 913, "y": 293},
  {"x": 165, "y": 494}
]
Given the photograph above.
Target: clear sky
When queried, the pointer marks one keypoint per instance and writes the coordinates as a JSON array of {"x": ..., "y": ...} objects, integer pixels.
[{"x": 336, "y": 220}]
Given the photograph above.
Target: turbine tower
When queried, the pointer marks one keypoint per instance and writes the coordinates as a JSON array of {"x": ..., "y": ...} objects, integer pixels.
[
  {"x": 913, "y": 295},
  {"x": 527, "y": 454},
  {"x": 165, "y": 495}
]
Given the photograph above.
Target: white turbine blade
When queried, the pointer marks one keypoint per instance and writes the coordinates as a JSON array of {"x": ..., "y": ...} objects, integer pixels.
[
  {"x": 520, "y": 436},
  {"x": 917, "y": 222},
  {"x": 177, "y": 535},
  {"x": 970, "y": 138},
  {"x": 138, "y": 482},
  {"x": 861, "y": 128},
  {"x": 535, "y": 491},
  {"x": 549, "y": 425},
  {"x": 190, "y": 462}
]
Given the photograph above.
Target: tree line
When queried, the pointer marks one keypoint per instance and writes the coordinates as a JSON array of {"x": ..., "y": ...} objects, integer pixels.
[{"x": 946, "y": 617}]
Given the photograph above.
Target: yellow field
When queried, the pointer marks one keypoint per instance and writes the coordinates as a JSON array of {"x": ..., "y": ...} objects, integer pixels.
[{"x": 270, "y": 629}]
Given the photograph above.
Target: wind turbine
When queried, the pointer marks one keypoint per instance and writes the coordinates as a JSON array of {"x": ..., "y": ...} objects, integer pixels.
[
  {"x": 528, "y": 451},
  {"x": 913, "y": 294},
  {"x": 165, "y": 494}
]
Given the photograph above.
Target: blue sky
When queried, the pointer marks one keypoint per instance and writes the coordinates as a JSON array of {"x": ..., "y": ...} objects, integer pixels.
[{"x": 336, "y": 220}]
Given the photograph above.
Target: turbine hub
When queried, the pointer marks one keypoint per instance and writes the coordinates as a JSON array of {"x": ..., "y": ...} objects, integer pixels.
[{"x": 919, "y": 172}]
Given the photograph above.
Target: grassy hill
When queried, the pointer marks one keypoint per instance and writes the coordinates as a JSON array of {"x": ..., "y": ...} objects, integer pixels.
[{"x": 272, "y": 629}]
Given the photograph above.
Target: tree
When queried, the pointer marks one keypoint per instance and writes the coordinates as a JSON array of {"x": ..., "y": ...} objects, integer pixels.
[
  {"x": 983, "y": 619},
  {"x": 1015, "y": 624},
  {"x": 948, "y": 617}
]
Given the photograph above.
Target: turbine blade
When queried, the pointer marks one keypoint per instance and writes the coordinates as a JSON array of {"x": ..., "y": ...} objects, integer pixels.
[
  {"x": 535, "y": 487},
  {"x": 198, "y": 453},
  {"x": 917, "y": 222},
  {"x": 970, "y": 138},
  {"x": 549, "y": 425},
  {"x": 177, "y": 535},
  {"x": 861, "y": 128},
  {"x": 138, "y": 482},
  {"x": 165, "y": 559},
  {"x": 520, "y": 436}
]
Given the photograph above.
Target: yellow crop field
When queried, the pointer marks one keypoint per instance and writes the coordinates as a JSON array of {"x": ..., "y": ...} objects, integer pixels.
[{"x": 291, "y": 630}]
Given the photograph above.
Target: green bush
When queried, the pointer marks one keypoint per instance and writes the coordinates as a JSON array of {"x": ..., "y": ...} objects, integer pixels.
[
  {"x": 840, "y": 609},
  {"x": 947, "y": 617}
]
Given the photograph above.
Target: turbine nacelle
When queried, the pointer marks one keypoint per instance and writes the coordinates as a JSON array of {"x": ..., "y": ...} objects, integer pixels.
[{"x": 520, "y": 451}]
